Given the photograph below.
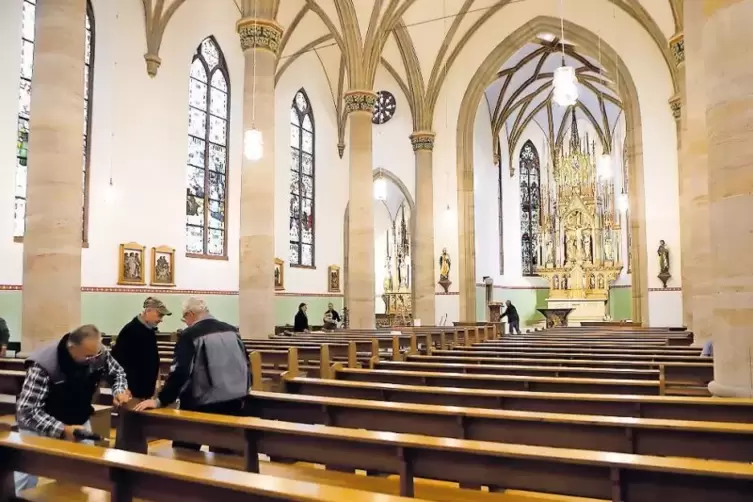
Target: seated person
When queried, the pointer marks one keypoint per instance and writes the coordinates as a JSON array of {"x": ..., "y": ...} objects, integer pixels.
[
  {"x": 708, "y": 349},
  {"x": 331, "y": 318},
  {"x": 301, "y": 323}
]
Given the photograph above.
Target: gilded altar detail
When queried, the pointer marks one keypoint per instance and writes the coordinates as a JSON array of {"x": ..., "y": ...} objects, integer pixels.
[{"x": 579, "y": 225}]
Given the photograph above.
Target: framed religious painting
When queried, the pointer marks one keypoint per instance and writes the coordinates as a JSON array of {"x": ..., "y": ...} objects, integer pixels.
[
  {"x": 131, "y": 264},
  {"x": 163, "y": 267},
  {"x": 333, "y": 279},
  {"x": 279, "y": 274}
]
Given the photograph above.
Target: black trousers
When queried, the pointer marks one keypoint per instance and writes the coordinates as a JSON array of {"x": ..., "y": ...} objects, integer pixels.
[
  {"x": 514, "y": 326},
  {"x": 233, "y": 408}
]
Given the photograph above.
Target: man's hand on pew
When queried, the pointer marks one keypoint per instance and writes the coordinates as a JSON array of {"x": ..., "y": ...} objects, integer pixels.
[
  {"x": 121, "y": 398},
  {"x": 69, "y": 432},
  {"x": 148, "y": 404}
]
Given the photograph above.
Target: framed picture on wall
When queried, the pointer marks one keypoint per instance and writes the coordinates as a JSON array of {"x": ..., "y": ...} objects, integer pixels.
[
  {"x": 163, "y": 266},
  {"x": 279, "y": 274},
  {"x": 333, "y": 279},
  {"x": 131, "y": 264}
]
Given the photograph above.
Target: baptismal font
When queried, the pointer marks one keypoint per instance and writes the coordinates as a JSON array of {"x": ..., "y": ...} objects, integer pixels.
[{"x": 580, "y": 232}]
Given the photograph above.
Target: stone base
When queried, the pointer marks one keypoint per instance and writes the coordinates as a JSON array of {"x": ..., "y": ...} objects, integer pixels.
[
  {"x": 720, "y": 390},
  {"x": 583, "y": 310}
]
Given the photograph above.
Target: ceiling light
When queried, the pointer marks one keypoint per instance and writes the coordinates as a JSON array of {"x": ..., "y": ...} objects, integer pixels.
[
  {"x": 547, "y": 37},
  {"x": 565, "y": 85},
  {"x": 380, "y": 189},
  {"x": 253, "y": 144}
]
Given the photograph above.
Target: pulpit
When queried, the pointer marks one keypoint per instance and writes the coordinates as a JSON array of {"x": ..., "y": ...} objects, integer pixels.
[{"x": 495, "y": 313}]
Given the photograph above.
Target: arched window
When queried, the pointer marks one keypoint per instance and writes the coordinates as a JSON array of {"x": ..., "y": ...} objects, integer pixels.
[
  {"x": 530, "y": 207},
  {"x": 302, "y": 161},
  {"x": 208, "y": 125},
  {"x": 626, "y": 190},
  {"x": 24, "y": 114}
]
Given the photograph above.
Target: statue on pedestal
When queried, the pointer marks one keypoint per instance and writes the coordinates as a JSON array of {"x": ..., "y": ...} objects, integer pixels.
[
  {"x": 444, "y": 270},
  {"x": 663, "y": 253}
]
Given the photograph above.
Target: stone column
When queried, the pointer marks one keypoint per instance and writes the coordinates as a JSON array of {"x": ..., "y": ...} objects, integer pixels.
[
  {"x": 260, "y": 41},
  {"x": 728, "y": 70},
  {"x": 51, "y": 304},
  {"x": 423, "y": 230},
  {"x": 695, "y": 178},
  {"x": 359, "y": 106},
  {"x": 678, "y": 105}
]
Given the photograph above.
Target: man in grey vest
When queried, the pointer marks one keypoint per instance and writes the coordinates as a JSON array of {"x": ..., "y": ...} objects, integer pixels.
[
  {"x": 61, "y": 379},
  {"x": 210, "y": 370}
]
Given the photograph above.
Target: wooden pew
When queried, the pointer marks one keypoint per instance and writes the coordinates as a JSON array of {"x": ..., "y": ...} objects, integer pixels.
[
  {"x": 581, "y": 350},
  {"x": 655, "y": 346},
  {"x": 581, "y": 473},
  {"x": 126, "y": 475},
  {"x": 546, "y": 371},
  {"x": 571, "y": 355},
  {"x": 670, "y": 407},
  {"x": 499, "y": 382},
  {"x": 677, "y": 438}
]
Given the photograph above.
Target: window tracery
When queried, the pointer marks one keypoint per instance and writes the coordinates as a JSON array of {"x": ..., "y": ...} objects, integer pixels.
[
  {"x": 530, "y": 206},
  {"x": 302, "y": 171}
]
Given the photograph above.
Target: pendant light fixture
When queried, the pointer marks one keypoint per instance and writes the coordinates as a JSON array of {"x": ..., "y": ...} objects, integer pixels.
[
  {"x": 253, "y": 141},
  {"x": 564, "y": 82}
]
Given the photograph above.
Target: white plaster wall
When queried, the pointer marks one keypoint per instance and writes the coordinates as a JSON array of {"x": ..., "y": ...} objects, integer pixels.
[
  {"x": 665, "y": 308},
  {"x": 486, "y": 197}
]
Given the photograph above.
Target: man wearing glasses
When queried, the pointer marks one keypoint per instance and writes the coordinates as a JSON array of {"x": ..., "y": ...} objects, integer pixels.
[{"x": 61, "y": 380}]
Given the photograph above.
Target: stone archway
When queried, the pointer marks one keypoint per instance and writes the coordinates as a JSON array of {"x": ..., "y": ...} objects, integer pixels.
[
  {"x": 465, "y": 132},
  {"x": 389, "y": 175}
]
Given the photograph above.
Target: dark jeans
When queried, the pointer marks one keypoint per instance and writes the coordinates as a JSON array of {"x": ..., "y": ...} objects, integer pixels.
[
  {"x": 514, "y": 326},
  {"x": 233, "y": 408}
]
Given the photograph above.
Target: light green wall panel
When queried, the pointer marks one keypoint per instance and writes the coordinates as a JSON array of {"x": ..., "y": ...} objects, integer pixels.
[
  {"x": 109, "y": 311},
  {"x": 526, "y": 300},
  {"x": 621, "y": 303}
]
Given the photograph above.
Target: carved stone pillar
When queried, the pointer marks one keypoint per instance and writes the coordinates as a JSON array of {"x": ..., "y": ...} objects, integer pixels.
[
  {"x": 260, "y": 41},
  {"x": 423, "y": 230},
  {"x": 728, "y": 74},
  {"x": 678, "y": 104},
  {"x": 359, "y": 106},
  {"x": 51, "y": 304}
]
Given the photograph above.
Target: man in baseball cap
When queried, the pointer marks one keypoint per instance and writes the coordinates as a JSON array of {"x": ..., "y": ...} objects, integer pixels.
[{"x": 136, "y": 348}]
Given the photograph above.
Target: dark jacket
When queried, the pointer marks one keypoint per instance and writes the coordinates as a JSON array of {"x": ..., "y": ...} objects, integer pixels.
[
  {"x": 301, "y": 322},
  {"x": 511, "y": 313},
  {"x": 4, "y": 333},
  {"x": 335, "y": 315},
  {"x": 210, "y": 366},
  {"x": 136, "y": 351},
  {"x": 72, "y": 385}
]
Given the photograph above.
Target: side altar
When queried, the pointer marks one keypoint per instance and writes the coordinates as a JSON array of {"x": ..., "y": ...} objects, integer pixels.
[{"x": 580, "y": 232}]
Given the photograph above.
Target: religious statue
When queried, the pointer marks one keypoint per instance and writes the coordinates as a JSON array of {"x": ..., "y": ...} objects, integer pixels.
[
  {"x": 444, "y": 270},
  {"x": 608, "y": 251},
  {"x": 387, "y": 285},
  {"x": 587, "y": 247},
  {"x": 663, "y": 253},
  {"x": 572, "y": 246},
  {"x": 549, "y": 251}
]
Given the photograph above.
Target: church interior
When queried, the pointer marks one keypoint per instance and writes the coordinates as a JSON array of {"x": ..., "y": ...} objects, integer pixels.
[{"x": 527, "y": 217}]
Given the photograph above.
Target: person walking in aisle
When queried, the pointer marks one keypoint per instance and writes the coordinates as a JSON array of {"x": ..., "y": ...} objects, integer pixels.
[
  {"x": 210, "y": 372},
  {"x": 136, "y": 348},
  {"x": 512, "y": 317}
]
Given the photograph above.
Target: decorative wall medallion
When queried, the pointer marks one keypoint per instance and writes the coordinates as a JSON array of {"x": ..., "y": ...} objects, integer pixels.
[{"x": 384, "y": 108}]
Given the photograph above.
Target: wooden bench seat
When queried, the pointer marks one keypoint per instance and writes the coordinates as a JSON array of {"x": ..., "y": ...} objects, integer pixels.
[
  {"x": 500, "y": 382},
  {"x": 671, "y": 407},
  {"x": 129, "y": 475},
  {"x": 679, "y": 438},
  {"x": 572, "y": 355},
  {"x": 616, "y": 476},
  {"x": 424, "y": 489},
  {"x": 580, "y": 350}
]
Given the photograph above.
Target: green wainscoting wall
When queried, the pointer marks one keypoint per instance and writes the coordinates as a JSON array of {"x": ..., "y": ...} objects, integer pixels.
[
  {"x": 109, "y": 311},
  {"x": 621, "y": 303}
]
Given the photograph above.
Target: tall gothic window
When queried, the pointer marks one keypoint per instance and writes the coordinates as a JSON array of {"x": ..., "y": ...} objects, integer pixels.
[
  {"x": 530, "y": 206},
  {"x": 626, "y": 189},
  {"x": 24, "y": 114},
  {"x": 208, "y": 125},
  {"x": 302, "y": 161}
]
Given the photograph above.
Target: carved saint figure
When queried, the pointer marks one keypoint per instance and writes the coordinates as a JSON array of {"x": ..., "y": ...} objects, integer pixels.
[
  {"x": 601, "y": 281},
  {"x": 444, "y": 266},
  {"x": 587, "y": 246},
  {"x": 556, "y": 282},
  {"x": 608, "y": 251},
  {"x": 591, "y": 282},
  {"x": 663, "y": 253},
  {"x": 549, "y": 251},
  {"x": 572, "y": 246}
]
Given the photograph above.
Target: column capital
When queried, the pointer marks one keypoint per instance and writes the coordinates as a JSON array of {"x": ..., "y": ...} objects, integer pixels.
[
  {"x": 359, "y": 101},
  {"x": 677, "y": 46},
  {"x": 256, "y": 33},
  {"x": 675, "y": 103},
  {"x": 422, "y": 140}
]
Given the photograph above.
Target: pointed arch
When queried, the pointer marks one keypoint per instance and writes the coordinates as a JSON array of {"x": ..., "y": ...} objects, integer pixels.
[
  {"x": 28, "y": 28},
  {"x": 530, "y": 206},
  {"x": 302, "y": 182},
  {"x": 207, "y": 170}
]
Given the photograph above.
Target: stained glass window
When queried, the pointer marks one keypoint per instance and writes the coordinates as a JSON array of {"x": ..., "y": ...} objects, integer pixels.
[
  {"x": 208, "y": 125},
  {"x": 24, "y": 113},
  {"x": 626, "y": 190},
  {"x": 530, "y": 207},
  {"x": 302, "y": 160}
]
